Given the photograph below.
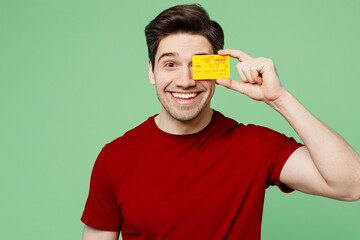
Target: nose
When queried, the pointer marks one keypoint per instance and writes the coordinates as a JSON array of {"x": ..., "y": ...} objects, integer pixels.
[{"x": 185, "y": 78}]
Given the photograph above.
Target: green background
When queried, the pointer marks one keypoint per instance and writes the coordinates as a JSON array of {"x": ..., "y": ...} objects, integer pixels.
[{"x": 74, "y": 77}]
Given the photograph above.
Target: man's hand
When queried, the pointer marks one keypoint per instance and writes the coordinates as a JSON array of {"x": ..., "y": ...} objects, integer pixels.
[{"x": 260, "y": 80}]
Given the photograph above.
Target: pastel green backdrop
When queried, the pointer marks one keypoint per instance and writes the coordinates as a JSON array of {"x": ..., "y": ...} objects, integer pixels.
[{"x": 74, "y": 77}]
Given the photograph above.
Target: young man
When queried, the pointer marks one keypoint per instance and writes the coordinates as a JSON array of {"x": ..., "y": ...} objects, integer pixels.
[{"x": 192, "y": 173}]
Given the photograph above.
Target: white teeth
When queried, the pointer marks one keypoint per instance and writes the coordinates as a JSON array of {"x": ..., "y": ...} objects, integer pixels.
[{"x": 184, "y": 95}]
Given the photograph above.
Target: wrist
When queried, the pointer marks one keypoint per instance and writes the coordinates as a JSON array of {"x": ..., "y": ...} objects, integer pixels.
[{"x": 281, "y": 101}]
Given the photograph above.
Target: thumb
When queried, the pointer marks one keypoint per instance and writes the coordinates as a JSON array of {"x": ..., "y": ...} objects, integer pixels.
[
  {"x": 231, "y": 84},
  {"x": 226, "y": 82},
  {"x": 251, "y": 90}
]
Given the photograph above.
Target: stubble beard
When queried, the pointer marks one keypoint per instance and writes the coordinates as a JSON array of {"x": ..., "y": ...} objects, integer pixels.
[{"x": 181, "y": 113}]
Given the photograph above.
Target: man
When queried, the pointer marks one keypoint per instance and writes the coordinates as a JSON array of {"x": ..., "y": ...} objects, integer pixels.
[{"x": 192, "y": 173}]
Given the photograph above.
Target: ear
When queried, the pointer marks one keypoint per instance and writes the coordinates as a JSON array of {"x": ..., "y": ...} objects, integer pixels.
[{"x": 151, "y": 73}]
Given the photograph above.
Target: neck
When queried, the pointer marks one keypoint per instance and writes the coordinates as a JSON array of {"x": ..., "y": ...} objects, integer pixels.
[{"x": 170, "y": 125}]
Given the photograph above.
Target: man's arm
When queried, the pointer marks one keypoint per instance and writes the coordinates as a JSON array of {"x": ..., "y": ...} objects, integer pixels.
[
  {"x": 96, "y": 234},
  {"x": 327, "y": 165}
]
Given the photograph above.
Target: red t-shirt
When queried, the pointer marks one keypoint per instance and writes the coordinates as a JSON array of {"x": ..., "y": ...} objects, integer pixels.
[{"x": 208, "y": 185}]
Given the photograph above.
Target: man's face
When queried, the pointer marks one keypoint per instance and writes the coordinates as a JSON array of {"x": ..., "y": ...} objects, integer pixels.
[{"x": 181, "y": 96}]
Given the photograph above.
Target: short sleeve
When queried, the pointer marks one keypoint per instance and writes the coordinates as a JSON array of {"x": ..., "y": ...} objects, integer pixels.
[
  {"x": 279, "y": 156},
  {"x": 101, "y": 208},
  {"x": 277, "y": 148}
]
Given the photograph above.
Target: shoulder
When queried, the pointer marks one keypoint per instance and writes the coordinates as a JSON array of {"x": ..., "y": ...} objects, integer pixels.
[
  {"x": 264, "y": 136},
  {"x": 224, "y": 124},
  {"x": 262, "y": 131},
  {"x": 131, "y": 139},
  {"x": 115, "y": 154},
  {"x": 251, "y": 133},
  {"x": 231, "y": 125}
]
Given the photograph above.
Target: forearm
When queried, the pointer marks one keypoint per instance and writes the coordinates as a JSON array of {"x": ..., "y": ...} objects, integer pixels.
[{"x": 335, "y": 159}]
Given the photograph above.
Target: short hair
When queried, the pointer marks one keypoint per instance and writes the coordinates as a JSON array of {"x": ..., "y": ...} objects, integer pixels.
[{"x": 188, "y": 18}]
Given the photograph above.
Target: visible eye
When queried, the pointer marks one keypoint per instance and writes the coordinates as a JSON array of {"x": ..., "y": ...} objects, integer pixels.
[{"x": 170, "y": 65}]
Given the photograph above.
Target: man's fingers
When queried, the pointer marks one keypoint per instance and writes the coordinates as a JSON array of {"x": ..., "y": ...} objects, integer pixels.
[
  {"x": 249, "y": 89},
  {"x": 229, "y": 83},
  {"x": 239, "y": 69},
  {"x": 235, "y": 54},
  {"x": 247, "y": 74},
  {"x": 249, "y": 71},
  {"x": 255, "y": 75},
  {"x": 226, "y": 82}
]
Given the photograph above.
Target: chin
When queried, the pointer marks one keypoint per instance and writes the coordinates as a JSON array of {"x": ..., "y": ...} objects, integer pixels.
[{"x": 185, "y": 115}]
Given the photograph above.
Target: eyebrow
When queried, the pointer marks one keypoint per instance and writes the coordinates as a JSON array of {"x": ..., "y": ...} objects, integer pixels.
[
  {"x": 168, "y": 54},
  {"x": 174, "y": 54}
]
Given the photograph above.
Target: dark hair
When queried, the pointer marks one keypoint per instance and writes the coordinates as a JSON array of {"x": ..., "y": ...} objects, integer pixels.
[{"x": 191, "y": 19}]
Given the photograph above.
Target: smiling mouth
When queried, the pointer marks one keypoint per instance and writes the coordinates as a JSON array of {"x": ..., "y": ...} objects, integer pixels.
[{"x": 184, "y": 95}]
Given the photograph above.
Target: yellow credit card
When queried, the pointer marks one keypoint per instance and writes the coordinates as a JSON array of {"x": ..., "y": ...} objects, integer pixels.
[{"x": 210, "y": 67}]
